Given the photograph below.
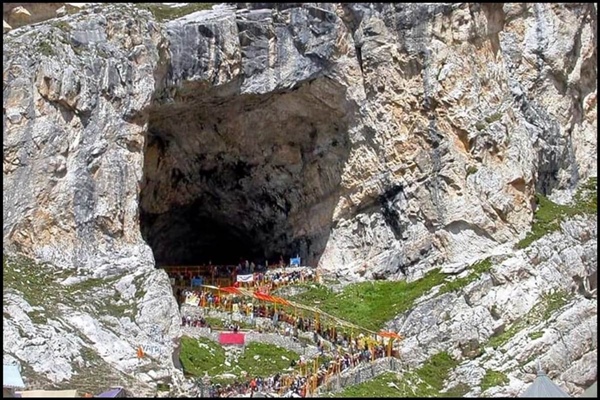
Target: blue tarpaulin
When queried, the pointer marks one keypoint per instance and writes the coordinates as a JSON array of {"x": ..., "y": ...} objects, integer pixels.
[
  {"x": 115, "y": 392},
  {"x": 197, "y": 281},
  {"x": 295, "y": 261}
]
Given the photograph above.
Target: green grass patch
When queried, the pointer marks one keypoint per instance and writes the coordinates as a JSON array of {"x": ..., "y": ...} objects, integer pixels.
[
  {"x": 434, "y": 372},
  {"x": 548, "y": 215},
  {"x": 86, "y": 286},
  {"x": 553, "y": 302},
  {"x": 542, "y": 311},
  {"x": 163, "y": 387},
  {"x": 502, "y": 338},
  {"x": 457, "y": 391},
  {"x": 477, "y": 269},
  {"x": 379, "y": 386},
  {"x": 271, "y": 359},
  {"x": 111, "y": 306},
  {"x": 493, "y": 378},
  {"x": 529, "y": 359},
  {"x": 198, "y": 356},
  {"x": 138, "y": 281},
  {"x": 45, "y": 48},
  {"x": 426, "y": 381},
  {"x": 493, "y": 117},
  {"x": 535, "y": 335},
  {"x": 165, "y": 13},
  {"x": 480, "y": 125},
  {"x": 471, "y": 169},
  {"x": 370, "y": 304},
  {"x": 38, "y": 282},
  {"x": 63, "y": 26},
  {"x": 92, "y": 377},
  {"x": 38, "y": 317},
  {"x": 40, "y": 286},
  {"x": 214, "y": 322},
  {"x": 218, "y": 323}
]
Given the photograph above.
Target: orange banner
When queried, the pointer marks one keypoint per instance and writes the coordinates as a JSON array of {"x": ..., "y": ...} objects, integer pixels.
[
  {"x": 230, "y": 289},
  {"x": 393, "y": 335}
]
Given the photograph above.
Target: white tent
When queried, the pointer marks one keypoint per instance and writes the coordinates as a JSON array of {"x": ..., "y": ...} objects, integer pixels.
[{"x": 543, "y": 387}]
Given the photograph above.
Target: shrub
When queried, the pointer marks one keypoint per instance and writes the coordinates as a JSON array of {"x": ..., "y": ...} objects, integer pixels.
[
  {"x": 45, "y": 48},
  {"x": 493, "y": 117},
  {"x": 471, "y": 169},
  {"x": 493, "y": 378}
]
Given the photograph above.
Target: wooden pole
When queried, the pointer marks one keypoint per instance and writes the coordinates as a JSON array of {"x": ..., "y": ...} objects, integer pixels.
[{"x": 219, "y": 295}]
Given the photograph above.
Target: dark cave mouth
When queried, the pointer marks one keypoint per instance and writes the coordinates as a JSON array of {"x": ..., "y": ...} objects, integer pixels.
[
  {"x": 189, "y": 238},
  {"x": 250, "y": 177}
]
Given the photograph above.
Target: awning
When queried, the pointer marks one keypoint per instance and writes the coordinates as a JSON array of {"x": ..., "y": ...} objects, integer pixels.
[{"x": 49, "y": 393}]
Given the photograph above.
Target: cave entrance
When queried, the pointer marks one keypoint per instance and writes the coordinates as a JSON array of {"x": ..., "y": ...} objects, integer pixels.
[{"x": 230, "y": 176}]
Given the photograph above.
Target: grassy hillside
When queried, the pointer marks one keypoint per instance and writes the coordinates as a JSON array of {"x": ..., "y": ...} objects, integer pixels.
[{"x": 548, "y": 215}]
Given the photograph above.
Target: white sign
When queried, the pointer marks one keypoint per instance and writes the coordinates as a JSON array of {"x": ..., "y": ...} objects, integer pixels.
[{"x": 245, "y": 278}]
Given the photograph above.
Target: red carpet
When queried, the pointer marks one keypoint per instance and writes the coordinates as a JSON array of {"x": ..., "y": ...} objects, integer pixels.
[{"x": 232, "y": 338}]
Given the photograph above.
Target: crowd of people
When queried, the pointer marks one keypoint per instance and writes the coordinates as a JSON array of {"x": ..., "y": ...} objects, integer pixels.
[
  {"x": 264, "y": 282},
  {"x": 296, "y": 383},
  {"x": 273, "y": 384},
  {"x": 200, "y": 322},
  {"x": 339, "y": 350},
  {"x": 196, "y": 322},
  {"x": 210, "y": 273}
]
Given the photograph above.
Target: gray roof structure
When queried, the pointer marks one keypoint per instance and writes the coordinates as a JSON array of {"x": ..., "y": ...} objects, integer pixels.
[
  {"x": 592, "y": 391},
  {"x": 11, "y": 377},
  {"x": 542, "y": 386}
]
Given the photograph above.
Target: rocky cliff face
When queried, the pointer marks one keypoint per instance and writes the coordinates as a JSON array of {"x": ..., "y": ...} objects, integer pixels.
[
  {"x": 383, "y": 137},
  {"x": 526, "y": 309},
  {"x": 373, "y": 140},
  {"x": 72, "y": 167}
]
